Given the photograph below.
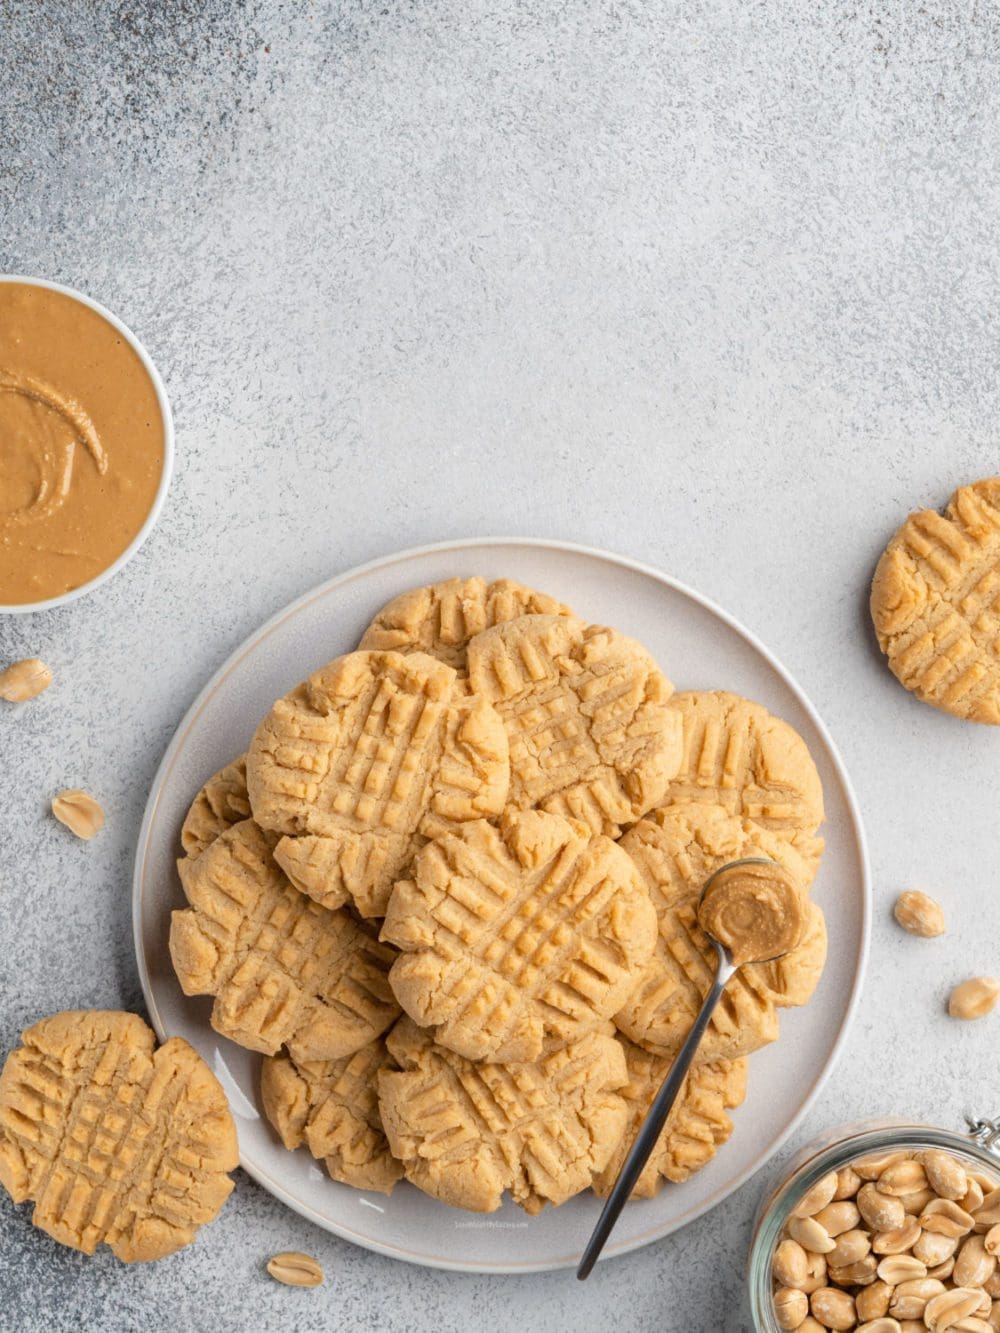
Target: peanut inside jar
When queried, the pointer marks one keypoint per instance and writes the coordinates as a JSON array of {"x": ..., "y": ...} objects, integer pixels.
[{"x": 754, "y": 908}]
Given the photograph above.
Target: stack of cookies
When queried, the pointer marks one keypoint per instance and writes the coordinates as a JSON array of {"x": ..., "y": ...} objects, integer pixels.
[{"x": 450, "y": 895}]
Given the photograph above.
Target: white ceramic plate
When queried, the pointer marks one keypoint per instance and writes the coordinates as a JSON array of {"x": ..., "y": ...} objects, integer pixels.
[{"x": 699, "y": 646}]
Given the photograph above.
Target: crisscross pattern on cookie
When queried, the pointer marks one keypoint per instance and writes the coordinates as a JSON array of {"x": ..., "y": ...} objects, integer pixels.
[
  {"x": 332, "y": 1107},
  {"x": 518, "y": 938},
  {"x": 222, "y": 802},
  {"x": 114, "y": 1141},
  {"x": 365, "y": 760},
  {"x": 283, "y": 969},
  {"x": 736, "y": 754},
  {"x": 467, "y": 1132},
  {"x": 936, "y": 604},
  {"x": 442, "y": 618},
  {"x": 675, "y": 850},
  {"x": 696, "y": 1128},
  {"x": 591, "y": 735}
]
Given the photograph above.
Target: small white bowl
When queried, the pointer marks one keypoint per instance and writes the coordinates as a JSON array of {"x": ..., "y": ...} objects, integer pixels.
[{"x": 25, "y": 608}]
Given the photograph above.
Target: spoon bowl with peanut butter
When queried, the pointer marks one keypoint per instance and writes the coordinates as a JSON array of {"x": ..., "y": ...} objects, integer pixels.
[{"x": 752, "y": 911}]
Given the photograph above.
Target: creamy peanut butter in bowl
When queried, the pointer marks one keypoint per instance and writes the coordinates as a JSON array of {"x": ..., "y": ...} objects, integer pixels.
[{"x": 86, "y": 444}]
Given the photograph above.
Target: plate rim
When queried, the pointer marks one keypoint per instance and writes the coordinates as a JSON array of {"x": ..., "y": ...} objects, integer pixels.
[{"x": 404, "y": 556}]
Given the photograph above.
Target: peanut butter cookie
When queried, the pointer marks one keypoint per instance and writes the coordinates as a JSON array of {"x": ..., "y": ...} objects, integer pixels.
[
  {"x": 675, "y": 850},
  {"x": 935, "y": 602},
  {"x": 359, "y": 765},
  {"x": 755, "y": 765},
  {"x": 587, "y": 714},
  {"x": 114, "y": 1140},
  {"x": 442, "y": 618},
  {"x": 283, "y": 969},
  {"x": 520, "y": 938},
  {"x": 332, "y": 1107},
  {"x": 696, "y": 1128},
  {"x": 467, "y": 1132},
  {"x": 222, "y": 802}
]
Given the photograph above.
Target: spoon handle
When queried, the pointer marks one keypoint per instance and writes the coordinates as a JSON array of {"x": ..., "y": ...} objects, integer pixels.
[{"x": 656, "y": 1118}]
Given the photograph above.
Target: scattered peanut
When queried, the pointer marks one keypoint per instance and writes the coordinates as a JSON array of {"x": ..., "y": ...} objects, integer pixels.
[
  {"x": 974, "y": 998},
  {"x": 988, "y": 1212},
  {"x": 973, "y": 1266},
  {"x": 79, "y": 811},
  {"x": 23, "y": 680},
  {"x": 991, "y": 1241},
  {"x": 859, "y": 1274},
  {"x": 295, "y": 1269},
  {"x": 848, "y": 1183},
  {"x": 947, "y": 1218},
  {"x": 902, "y": 1178},
  {"x": 919, "y": 914},
  {"x": 851, "y": 1246},
  {"x": 932, "y": 1248},
  {"x": 871, "y": 1167}
]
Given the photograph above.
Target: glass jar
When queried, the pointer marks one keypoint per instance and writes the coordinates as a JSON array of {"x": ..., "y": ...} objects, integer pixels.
[{"x": 978, "y": 1149}]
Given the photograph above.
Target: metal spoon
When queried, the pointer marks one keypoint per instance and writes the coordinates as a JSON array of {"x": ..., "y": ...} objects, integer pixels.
[{"x": 660, "y": 1107}]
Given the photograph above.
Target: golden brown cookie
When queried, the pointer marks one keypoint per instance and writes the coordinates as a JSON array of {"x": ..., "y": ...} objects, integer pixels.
[
  {"x": 332, "y": 1107},
  {"x": 696, "y": 1127},
  {"x": 442, "y": 618},
  {"x": 676, "y": 849},
  {"x": 114, "y": 1140},
  {"x": 363, "y": 762},
  {"x": 467, "y": 1132},
  {"x": 222, "y": 802},
  {"x": 591, "y": 733},
  {"x": 283, "y": 969},
  {"x": 518, "y": 938},
  {"x": 935, "y": 602},
  {"x": 755, "y": 765}
]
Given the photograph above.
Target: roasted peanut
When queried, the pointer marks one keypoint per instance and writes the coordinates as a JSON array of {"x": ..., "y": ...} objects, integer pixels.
[
  {"x": 945, "y": 1175},
  {"x": 897, "y": 1268},
  {"x": 881, "y": 1211},
  {"x": 879, "y": 1326},
  {"x": 850, "y": 1247},
  {"x": 945, "y": 1217},
  {"x": 873, "y": 1302},
  {"x": 974, "y": 998},
  {"x": 932, "y": 1248},
  {"x": 790, "y": 1307},
  {"x": 988, "y": 1213},
  {"x": 910, "y": 1298},
  {"x": 872, "y": 1166},
  {"x": 833, "y": 1308},
  {"x": 810, "y": 1235},
  {"x": 817, "y": 1197},
  {"x": 973, "y": 1197},
  {"x": 946, "y": 1310},
  {"x": 859, "y": 1274},
  {"x": 902, "y": 1178},
  {"x": 942, "y": 1271},
  {"x": 899, "y": 1240},
  {"x": 973, "y": 1266},
  {"x": 790, "y": 1265},
  {"x": 919, "y": 914},
  {"x": 295, "y": 1269},
  {"x": 848, "y": 1183},
  {"x": 79, "y": 811},
  {"x": 838, "y": 1217},
  {"x": 815, "y": 1272},
  {"x": 992, "y": 1287},
  {"x": 991, "y": 1241},
  {"x": 915, "y": 1203},
  {"x": 23, "y": 680}
]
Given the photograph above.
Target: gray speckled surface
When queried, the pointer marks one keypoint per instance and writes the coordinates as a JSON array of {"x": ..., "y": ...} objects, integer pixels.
[{"x": 711, "y": 285}]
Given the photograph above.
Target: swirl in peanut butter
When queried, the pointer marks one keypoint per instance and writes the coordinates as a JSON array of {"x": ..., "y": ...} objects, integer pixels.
[
  {"x": 81, "y": 443},
  {"x": 755, "y": 908},
  {"x": 50, "y": 453}
]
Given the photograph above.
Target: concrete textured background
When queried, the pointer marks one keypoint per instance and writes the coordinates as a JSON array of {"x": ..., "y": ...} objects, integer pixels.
[{"x": 711, "y": 284}]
